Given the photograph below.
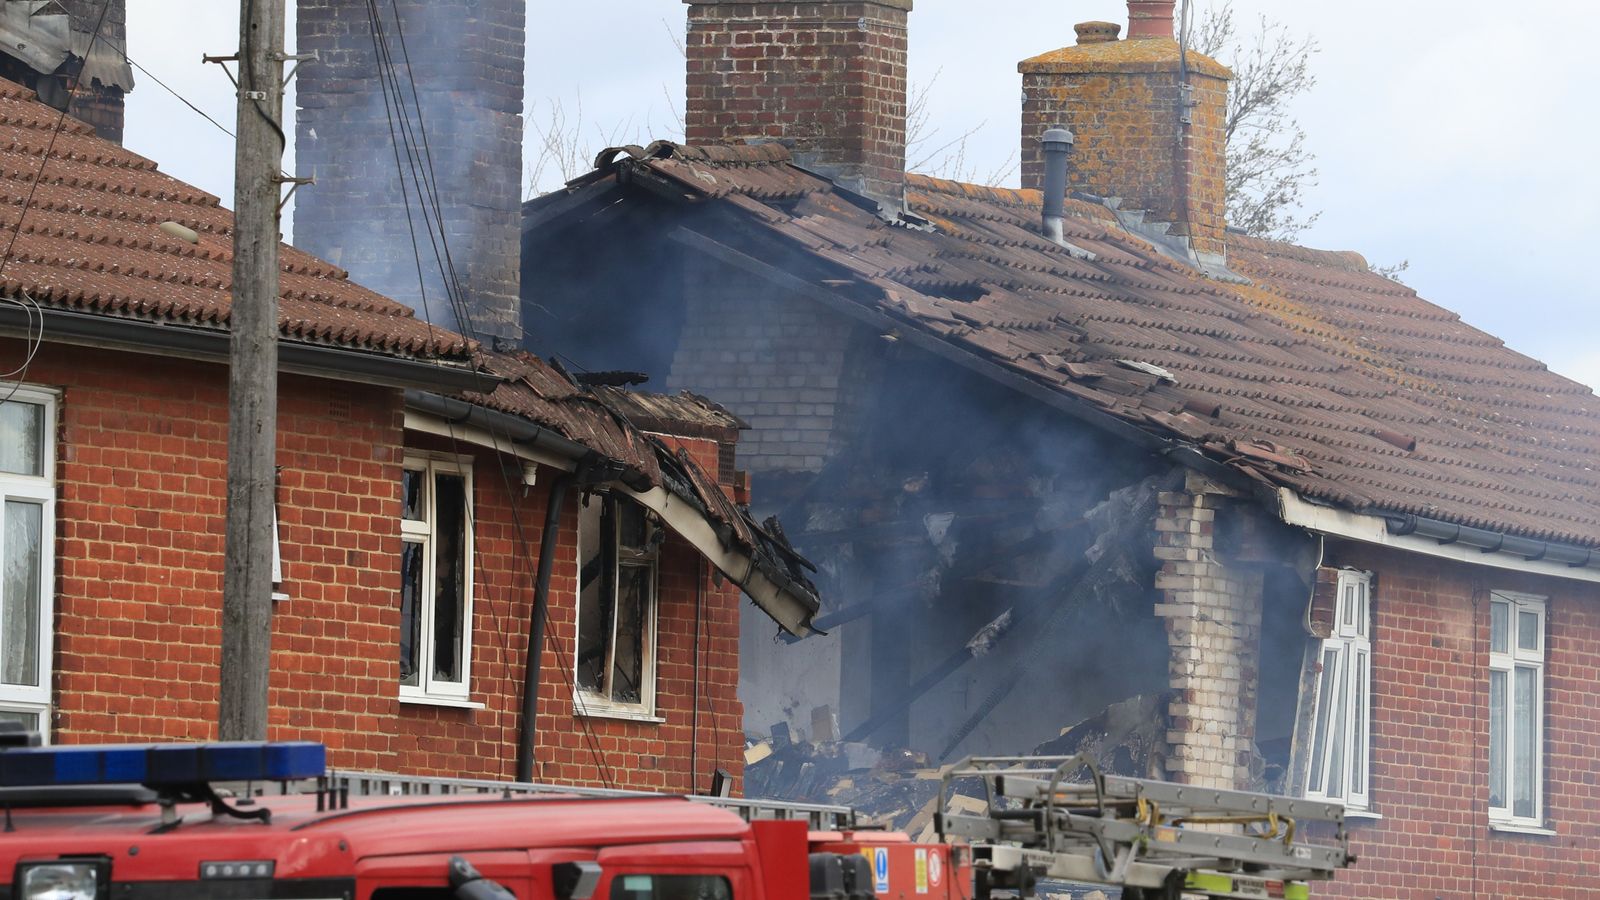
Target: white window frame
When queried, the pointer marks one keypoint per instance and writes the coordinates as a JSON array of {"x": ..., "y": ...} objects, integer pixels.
[
  {"x": 422, "y": 531},
  {"x": 1349, "y": 648},
  {"x": 1515, "y": 657},
  {"x": 36, "y": 699},
  {"x": 590, "y": 703}
]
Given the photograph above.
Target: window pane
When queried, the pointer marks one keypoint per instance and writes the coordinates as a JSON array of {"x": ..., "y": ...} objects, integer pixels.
[
  {"x": 1524, "y": 757},
  {"x": 412, "y": 501},
  {"x": 1497, "y": 739},
  {"x": 1338, "y": 719},
  {"x": 594, "y": 612},
  {"x": 19, "y": 615},
  {"x": 1348, "y": 606},
  {"x": 1358, "y": 736},
  {"x": 449, "y": 576},
  {"x": 28, "y": 720},
  {"x": 632, "y": 528},
  {"x": 1319, "y": 741},
  {"x": 21, "y": 438},
  {"x": 410, "y": 616},
  {"x": 670, "y": 887},
  {"x": 1499, "y": 625},
  {"x": 633, "y": 597},
  {"x": 1527, "y": 631}
]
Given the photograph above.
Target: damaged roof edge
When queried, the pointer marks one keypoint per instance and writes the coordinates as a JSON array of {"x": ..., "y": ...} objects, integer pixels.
[
  {"x": 778, "y": 597},
  {"x": 1181, "y": 452},
  {"x": 789, "y": 604},
  {"x": 1434, "y": 537}
]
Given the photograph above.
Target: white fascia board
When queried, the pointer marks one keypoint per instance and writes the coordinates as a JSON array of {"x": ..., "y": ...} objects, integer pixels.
[
  {"x": 424, "y": 423},
  {"x": 740, "y": 568},
  {"x": 1374, "y": 530}
]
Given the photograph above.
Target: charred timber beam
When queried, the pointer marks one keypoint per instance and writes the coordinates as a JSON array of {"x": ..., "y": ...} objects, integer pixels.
[{"x": 1178, "y": 451}]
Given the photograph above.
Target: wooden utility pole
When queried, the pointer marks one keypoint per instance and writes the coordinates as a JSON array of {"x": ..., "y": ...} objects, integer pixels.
[{"x": 253, "y": 375}]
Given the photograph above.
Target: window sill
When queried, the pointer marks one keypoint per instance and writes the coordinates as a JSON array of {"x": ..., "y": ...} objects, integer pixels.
[
  {"x": 595, "y": 708},
  {"x": 1365, "y": 814},
  {"x": 1519, "y": 828},
  {"x": 447, "y": 702}
]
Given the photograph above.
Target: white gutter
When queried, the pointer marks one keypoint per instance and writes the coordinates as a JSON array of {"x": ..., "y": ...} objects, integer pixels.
[
  {"x": 688, "y": 521},
  {"x": 1375, "y": 530},
  {"x": 684, "y": 518},
  {"x": 424, "y": 423}
]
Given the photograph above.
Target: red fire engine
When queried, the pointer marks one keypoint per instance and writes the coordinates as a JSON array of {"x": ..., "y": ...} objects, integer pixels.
[{"x": 267, "y": 821}]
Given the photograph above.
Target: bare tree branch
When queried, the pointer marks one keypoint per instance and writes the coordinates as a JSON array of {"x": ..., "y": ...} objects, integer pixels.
[{"x": 1270, "y": 167}]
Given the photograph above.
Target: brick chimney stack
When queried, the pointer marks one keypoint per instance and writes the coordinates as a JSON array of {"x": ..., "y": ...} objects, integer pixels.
[
  {"x": 466, "y": 61},
  {"x": 59, "y": 53},
  {"x": 827, "y": 79},
  {"x": 1142, "y": 135}
]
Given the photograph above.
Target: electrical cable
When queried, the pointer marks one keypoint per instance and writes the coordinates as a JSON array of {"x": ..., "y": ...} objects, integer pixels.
[
  {"x": 428, "y": 192},
  {"x": 22, "y": 371},
  {"x": 181, "y": 98}
]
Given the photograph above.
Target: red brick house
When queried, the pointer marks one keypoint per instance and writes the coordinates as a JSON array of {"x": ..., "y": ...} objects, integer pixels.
[
  {"x": 416, "y": 471},
  {"x": 1054, "y": 450}
]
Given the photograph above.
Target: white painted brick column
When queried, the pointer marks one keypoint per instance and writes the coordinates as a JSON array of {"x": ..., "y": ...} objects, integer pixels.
[{"x": 1213, "y": 618}]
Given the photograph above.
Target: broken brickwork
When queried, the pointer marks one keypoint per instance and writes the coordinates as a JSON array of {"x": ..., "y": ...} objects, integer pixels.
[{"x": 1213, "y": 619}]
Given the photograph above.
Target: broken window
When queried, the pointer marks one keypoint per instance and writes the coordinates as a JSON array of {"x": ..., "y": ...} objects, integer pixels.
[
  {"x": 1342, "y": 710},
  {"x": 435, "y": 578},
  {"x": 618, "y": 542},
  {"x": 1516, "y": 704},
  {"x": 27, "y": 508}
]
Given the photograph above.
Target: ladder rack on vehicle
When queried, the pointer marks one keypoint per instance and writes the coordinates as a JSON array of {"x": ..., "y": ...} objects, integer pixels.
[
  {"x": 1154, "y": 839},
  {"x": 369, "y": 784}
]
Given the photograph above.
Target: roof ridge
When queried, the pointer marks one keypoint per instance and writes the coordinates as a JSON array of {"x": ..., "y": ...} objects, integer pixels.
[{"x": 1349, "y": 260}]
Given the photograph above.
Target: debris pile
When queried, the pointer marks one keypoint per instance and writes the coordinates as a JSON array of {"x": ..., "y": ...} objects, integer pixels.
[{"x": 899, "y": 789}]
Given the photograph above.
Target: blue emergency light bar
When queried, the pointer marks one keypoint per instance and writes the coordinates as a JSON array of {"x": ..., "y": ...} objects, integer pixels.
[{"x": 161, "y": 765}]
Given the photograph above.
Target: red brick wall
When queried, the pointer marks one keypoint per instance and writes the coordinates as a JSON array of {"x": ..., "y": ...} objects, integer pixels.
[
  {"x": 1124, "y": 104},
  {"x": 140, "y": 522},
  {"x": 828, "y": 79},
  {"x": 1430, "y": 729}
]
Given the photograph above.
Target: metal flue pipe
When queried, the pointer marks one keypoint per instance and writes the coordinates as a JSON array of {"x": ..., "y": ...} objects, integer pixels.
[{"x": 1057, "y": 149}]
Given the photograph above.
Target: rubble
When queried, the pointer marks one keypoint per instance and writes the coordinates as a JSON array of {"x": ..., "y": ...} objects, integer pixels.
[{"x": 898, "y": 789}]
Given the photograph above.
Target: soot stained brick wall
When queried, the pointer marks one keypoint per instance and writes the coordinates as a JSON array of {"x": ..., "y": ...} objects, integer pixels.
[
  {"x": 828, "y": 79},
  {"x": 466, "y": 61},
  {"x": 797, "y": 374},
  {"x": 1430, "y": 726},
  {"x": 141, "y": 484}
]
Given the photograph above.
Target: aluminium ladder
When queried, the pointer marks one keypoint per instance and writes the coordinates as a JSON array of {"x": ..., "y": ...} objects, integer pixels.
[{"x": 1154, "y": 839}]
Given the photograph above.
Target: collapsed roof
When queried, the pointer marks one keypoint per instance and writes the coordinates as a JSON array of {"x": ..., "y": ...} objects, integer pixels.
[
  {"x": 110, "y": 251},
  {"x": 1317, "y": 376}
]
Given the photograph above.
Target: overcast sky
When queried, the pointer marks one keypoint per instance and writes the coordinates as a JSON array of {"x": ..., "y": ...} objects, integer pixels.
[{"x": 1456, "y": 134}]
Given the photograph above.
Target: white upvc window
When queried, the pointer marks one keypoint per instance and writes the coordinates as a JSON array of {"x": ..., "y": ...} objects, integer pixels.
[
  {"x": 618, "y": 546},
  {"x": 436, "y": 578},
  {"x": 1342, "y": 719},
  {"x": 27, "y": 553},
  {"x": 1516, "y": 708}
]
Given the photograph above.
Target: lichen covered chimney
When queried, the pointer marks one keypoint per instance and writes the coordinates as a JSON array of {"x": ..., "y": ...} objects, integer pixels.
[
  {"x": 464, "y": 61},
  {"x": 827, "y": 79},
  {"x": 1145, "y": 134}
]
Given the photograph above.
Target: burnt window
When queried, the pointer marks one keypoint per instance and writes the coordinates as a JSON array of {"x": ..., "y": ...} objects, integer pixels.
[
  {"x": 435, "y": 578},
  {"x": 618, "y": 543},
  {"x": 671, "y": 887}
]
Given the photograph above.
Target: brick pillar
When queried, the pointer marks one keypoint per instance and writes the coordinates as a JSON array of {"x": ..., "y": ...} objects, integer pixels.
[
  {"x": 826, "y": 79},
  {"x": 1213, "y": 620},
  {"x": 1140, "y": 135},
  {"x": 468, "y": 70}
]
